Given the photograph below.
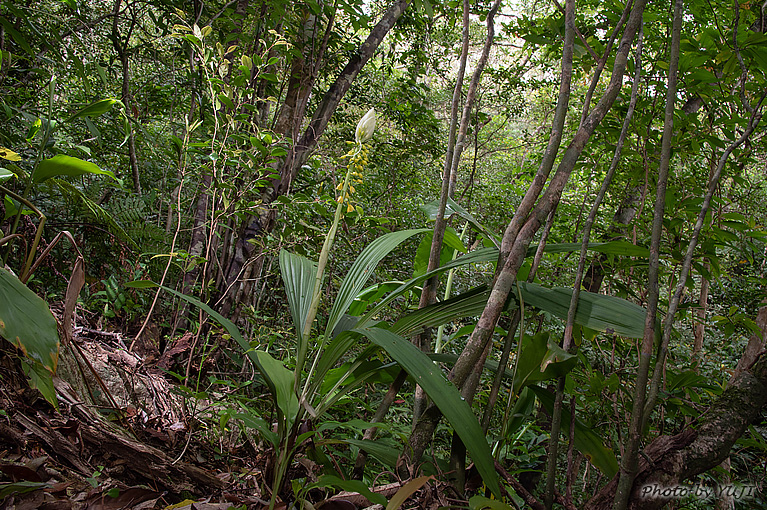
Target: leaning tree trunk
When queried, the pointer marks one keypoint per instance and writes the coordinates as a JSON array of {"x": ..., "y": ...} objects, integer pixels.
[
  {"x": 518, "y": 237},
  {"x": 257, "y": 226},
  {"x": 670, "y": 460}
]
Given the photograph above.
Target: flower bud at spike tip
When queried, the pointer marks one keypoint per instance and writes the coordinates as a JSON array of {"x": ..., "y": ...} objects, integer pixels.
[{"x": 366, "y": 126}]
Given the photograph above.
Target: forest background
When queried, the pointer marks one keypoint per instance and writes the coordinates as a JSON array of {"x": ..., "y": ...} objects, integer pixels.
[{"x": 518, "y": 248}]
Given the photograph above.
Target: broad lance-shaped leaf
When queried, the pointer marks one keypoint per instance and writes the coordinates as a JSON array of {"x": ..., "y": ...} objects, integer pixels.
[
  {"x": 27, "y": 322},
  {"x": 298, "y": 274},
  {"x": 622, "y": 248},
  {"x": 446, "y": 396},
  {"x": 95, "y": 109},
  {"x": 483, "y": 255},
  {"x": 67, "y": 165},
  {"x": 284, "y": 389},
  {"x": 343, "y": 341},
  {"x": 371, "y": 295},
  {"x": 362, "y": 270},
  {"x": 595, "y": 311},
  {"x": 278, "y": 378}
]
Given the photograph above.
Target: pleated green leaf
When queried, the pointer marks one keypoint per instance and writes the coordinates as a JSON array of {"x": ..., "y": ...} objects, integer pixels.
[
  {"x": 298, "y": 274},
  {"x": 255, "y": 422},
  {"x": 622, "y": 248},
  {"x": 608, "y": 314},
  {"x": 362, "y": 270},
  {"x": 446, "y": 396},
  {"x": 596, "y": 311},
  {"x": 451, "y": 242},
  {"x": 481, "y": 256},
  {"x": 283, "y": 381},
  {"x": 468, "y": 304}
]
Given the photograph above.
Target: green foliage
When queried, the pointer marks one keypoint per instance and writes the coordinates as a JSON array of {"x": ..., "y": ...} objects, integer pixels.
[
  {"x": 27, "y": 322},
  {"x": 214, "y": 108},
  {"x": 445, "y": 396},
  {"x": 61, "y": 165}
]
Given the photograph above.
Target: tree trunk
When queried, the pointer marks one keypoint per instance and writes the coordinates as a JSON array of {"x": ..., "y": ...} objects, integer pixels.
[
  {"x": 669, "y": 460},
  {"x": 516, "y": 240},
  {"x": 255, "y": 226},
  {"x": 699, "y": 329},
  {"x": 121, "y": 47},
  {"x": 332, "y": 98}
]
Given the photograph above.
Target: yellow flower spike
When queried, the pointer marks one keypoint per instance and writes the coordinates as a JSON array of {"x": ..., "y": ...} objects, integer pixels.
[
  {"x": 339, "y": 199},
  {"x": 349, "y": 208},
  {"x": 351, "y": 189},
  {"x": 340, "y": 185}
]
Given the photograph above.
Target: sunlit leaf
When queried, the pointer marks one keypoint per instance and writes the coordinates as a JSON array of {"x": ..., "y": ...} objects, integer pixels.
[
  {"x": 9, "y": 154},
  {"x": 61, "y": 165},
  {"x": 95, "y": 109}
]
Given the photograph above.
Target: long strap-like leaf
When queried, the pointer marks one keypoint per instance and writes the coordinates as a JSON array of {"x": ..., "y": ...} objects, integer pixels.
[
  {"x": 445, "y": 395},
  {"x": 361, "y": 271}
]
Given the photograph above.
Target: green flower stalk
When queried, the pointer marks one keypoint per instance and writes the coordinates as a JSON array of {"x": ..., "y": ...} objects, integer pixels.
[{"x": 357, "y": 157}]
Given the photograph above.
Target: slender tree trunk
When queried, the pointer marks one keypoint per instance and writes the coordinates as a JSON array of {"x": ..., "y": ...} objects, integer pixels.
[
  {"x": 567, "y": 342},
  {"x": 121, "y": 48},
  {"x": 670, "y": 460},
  {"x": 516, "y": 240},
  {"x": 429, "y": 291},
  {"x": 628, "y": 466},
  {"x": 699, "y": 329}
]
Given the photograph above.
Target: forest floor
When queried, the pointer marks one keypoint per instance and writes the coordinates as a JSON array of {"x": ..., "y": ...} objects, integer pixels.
[{"x": 123, "y": 437}]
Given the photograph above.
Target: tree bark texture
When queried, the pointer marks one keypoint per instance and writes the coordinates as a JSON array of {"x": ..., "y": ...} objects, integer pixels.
[
  {"x": 669, "y": 460},
  {"x": 245, "y": 252},
  {"x": 516, "y": 243}
]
